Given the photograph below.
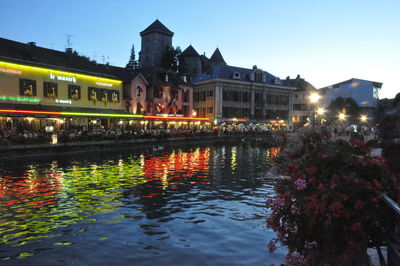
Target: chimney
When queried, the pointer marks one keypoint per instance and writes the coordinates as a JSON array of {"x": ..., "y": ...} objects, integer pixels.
[{"x": 255, "y": 67}]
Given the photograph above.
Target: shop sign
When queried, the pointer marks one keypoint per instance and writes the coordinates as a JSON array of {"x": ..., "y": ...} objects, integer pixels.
[
  {"x": 19, "y": 99},
  {"x": 63, "y": 101},
  {"x": 103, "y": 84},
  {"x": 63, "y": 78},
  {"x": 169, "y": 115},
  {"x": 10, "y": 71}
]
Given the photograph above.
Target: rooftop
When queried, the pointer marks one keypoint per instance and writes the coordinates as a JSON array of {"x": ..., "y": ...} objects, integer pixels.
[{"x": 158, "y": 27}]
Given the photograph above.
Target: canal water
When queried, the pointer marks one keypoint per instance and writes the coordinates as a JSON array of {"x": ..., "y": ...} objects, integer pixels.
[{"x": 189, "y": 206}]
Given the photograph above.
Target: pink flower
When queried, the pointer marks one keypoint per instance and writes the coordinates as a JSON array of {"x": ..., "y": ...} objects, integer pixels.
[
  {"x": 300, "y": 184},
  {"x": 295, "y": 259},
  {"x": 310, "y": 245},
  {"x": 271, "y": 246}
]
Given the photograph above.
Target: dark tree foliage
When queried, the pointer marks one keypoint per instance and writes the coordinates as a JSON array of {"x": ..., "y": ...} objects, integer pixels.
[
  {"x": 346, "y": 105},
  {"x": 132, "y": 64},
  {"x": 169, "y": 60}
]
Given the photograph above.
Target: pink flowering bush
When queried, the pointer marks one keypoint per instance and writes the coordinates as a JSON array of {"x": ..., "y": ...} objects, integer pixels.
[{"x": 330, "y": 207}]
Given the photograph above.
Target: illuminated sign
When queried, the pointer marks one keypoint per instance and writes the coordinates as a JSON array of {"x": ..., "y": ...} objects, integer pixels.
[
  {"x": 237, "y": 119},
  {"x": 63, "y": 101},
  {"x": 169, "y": 115},
  {"x": 104, "y": 84},
  {"x": 63, "y": 78},
  {"x": 175, "y": 118},
  {"x": 32, "y": 112},
  {"x": 19, "y": 99},
  {"x": 10, "y": 71},
  {"x": 57, "y": 74}
]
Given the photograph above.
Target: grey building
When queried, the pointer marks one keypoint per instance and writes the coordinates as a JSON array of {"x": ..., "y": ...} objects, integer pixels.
[
  {"x": 155, "y": 40},
  {"x": 228, "y": 94}
]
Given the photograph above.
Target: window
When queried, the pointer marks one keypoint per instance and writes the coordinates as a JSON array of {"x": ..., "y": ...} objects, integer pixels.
[
  {"x": 93, "y": 94},
  {"x": 258, "y": 98},
  {"x": 185, "y": 95},
  {"x": 49, "y": 89},
  {"x": 158, "y": 92},
  {"x": 236, "y": 75},
  {"x": 185, "y": 110},
  {"x": 74, "y": 92},
  {"x": 226, "y": 95},
  {"x": 258, "y": 76},
  {"x": 235, "y": 96},
  {"x": 210, "y": 110},
  {"x": 245, "y": 96},
  {"x": 104, "y": 95},
  {"x": 139, "y": 90},
  {"x": 27, "y": 87},
  {"x": 139, "y": 108},
  {"x": 115, "y": 96},
  {"x": 210, "y": 93}
]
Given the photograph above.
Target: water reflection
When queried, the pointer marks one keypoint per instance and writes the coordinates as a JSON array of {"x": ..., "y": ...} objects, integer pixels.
[{"x": 149, "y": 194}]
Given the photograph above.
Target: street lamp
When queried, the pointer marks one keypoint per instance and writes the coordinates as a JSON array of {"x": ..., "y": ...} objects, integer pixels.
[
  {"x": 363, "y": 118},
  {"x": 342, "y": 116},
  {"x": 314, "y": 98},
  {"x": 321, "y": 111}
]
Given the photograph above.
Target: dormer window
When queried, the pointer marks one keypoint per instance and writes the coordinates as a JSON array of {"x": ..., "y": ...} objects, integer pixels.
[
  {"x": 258, "y": 76},
  {"x": 277, "y": 81},
  {"x": 236, "y": 75}
]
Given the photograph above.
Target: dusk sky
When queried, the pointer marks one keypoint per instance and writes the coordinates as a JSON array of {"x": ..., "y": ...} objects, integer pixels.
[{"x": 324, "y": 41}]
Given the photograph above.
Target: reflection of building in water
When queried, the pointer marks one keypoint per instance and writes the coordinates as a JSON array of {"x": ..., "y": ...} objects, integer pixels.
[{"x": 178, "y": 168}]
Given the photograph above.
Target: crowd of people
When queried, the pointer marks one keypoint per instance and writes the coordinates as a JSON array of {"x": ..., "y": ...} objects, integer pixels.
[{"x": 24, "y": 136}]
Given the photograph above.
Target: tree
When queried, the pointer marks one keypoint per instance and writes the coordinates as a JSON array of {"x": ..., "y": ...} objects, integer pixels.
[
  {"x": 346, "y": 105},
  {"x": 132, "y": 64},
  {"x": 169, "y": 60}
]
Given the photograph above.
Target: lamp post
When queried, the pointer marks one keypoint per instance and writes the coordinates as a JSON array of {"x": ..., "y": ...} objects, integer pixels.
[{"x": 314, "y": 98}]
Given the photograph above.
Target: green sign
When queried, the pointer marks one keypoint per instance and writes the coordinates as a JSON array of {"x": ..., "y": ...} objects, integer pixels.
[{"x": 19, "y": 99}]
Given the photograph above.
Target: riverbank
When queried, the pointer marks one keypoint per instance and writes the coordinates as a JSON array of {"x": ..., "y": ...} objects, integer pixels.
[{"x": 34, "y": 150}]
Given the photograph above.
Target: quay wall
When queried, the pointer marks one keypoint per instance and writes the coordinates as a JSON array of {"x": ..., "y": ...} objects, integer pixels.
[{"x": 14, "y": 152}]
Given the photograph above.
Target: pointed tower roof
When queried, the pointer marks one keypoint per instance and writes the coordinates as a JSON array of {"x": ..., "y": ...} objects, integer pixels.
[
  {"x": 158, "y": 27},
  {"x": 217, "y": 58},
  {"x": 190, "y": 51}
]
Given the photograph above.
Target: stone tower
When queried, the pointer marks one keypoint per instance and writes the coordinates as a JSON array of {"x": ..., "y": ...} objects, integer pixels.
[
  {"x": 155, "y": 39},
  {"x": 190, "y": 62}
]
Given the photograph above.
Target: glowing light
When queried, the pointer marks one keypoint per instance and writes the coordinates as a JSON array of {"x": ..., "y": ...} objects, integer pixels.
[
  {"x": 13, "y": 111},
  {"x": 63, "y": 101},
  {"x": 104, "y": 84},
  {"x": 19, "y": 99},
  {"x": 194, "y": 113},
  {"x": 342, "y": 116},
  {"x": 364, "y": 118},
  {"x": 237, "y": 119},
  {"x": 321, "y": 111},
  {"x": 101, "y": 115},
  {"x": 47, "y": 71},
  {"x": 175, "y": 118},
  {"x": 314, "y": 97},
  {"x": 10, "y": 71},
  {"x": 63, "y": 78}
]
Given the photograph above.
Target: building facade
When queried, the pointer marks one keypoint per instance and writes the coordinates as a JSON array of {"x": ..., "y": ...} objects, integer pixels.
[
  {"x": 364, "y": 92},
  {"x": 230, "y": 94}
]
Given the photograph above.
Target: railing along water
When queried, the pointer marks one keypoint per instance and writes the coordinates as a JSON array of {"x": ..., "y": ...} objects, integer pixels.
[{"x": 393, "y": 241}]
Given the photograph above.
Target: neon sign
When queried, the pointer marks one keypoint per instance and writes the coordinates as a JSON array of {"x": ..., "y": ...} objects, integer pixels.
[
  {"x": 19, "y": 99},
  {"x": 69, "y": 76},
  {"x": 169, "y": 115},
  {"x": 175, "y": 118},
  {"x": 10, "y": 71},
  {"x": 63, "y": 101},
  {"x": 63, "y": 78},
  {"x": 104, "y": 84}
]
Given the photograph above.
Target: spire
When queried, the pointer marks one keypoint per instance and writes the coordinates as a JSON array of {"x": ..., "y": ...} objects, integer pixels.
[
  {"x": 157, "y": 26},
  {"x": 190, "y": 51},
  {"x": 217, "y": 58}
]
